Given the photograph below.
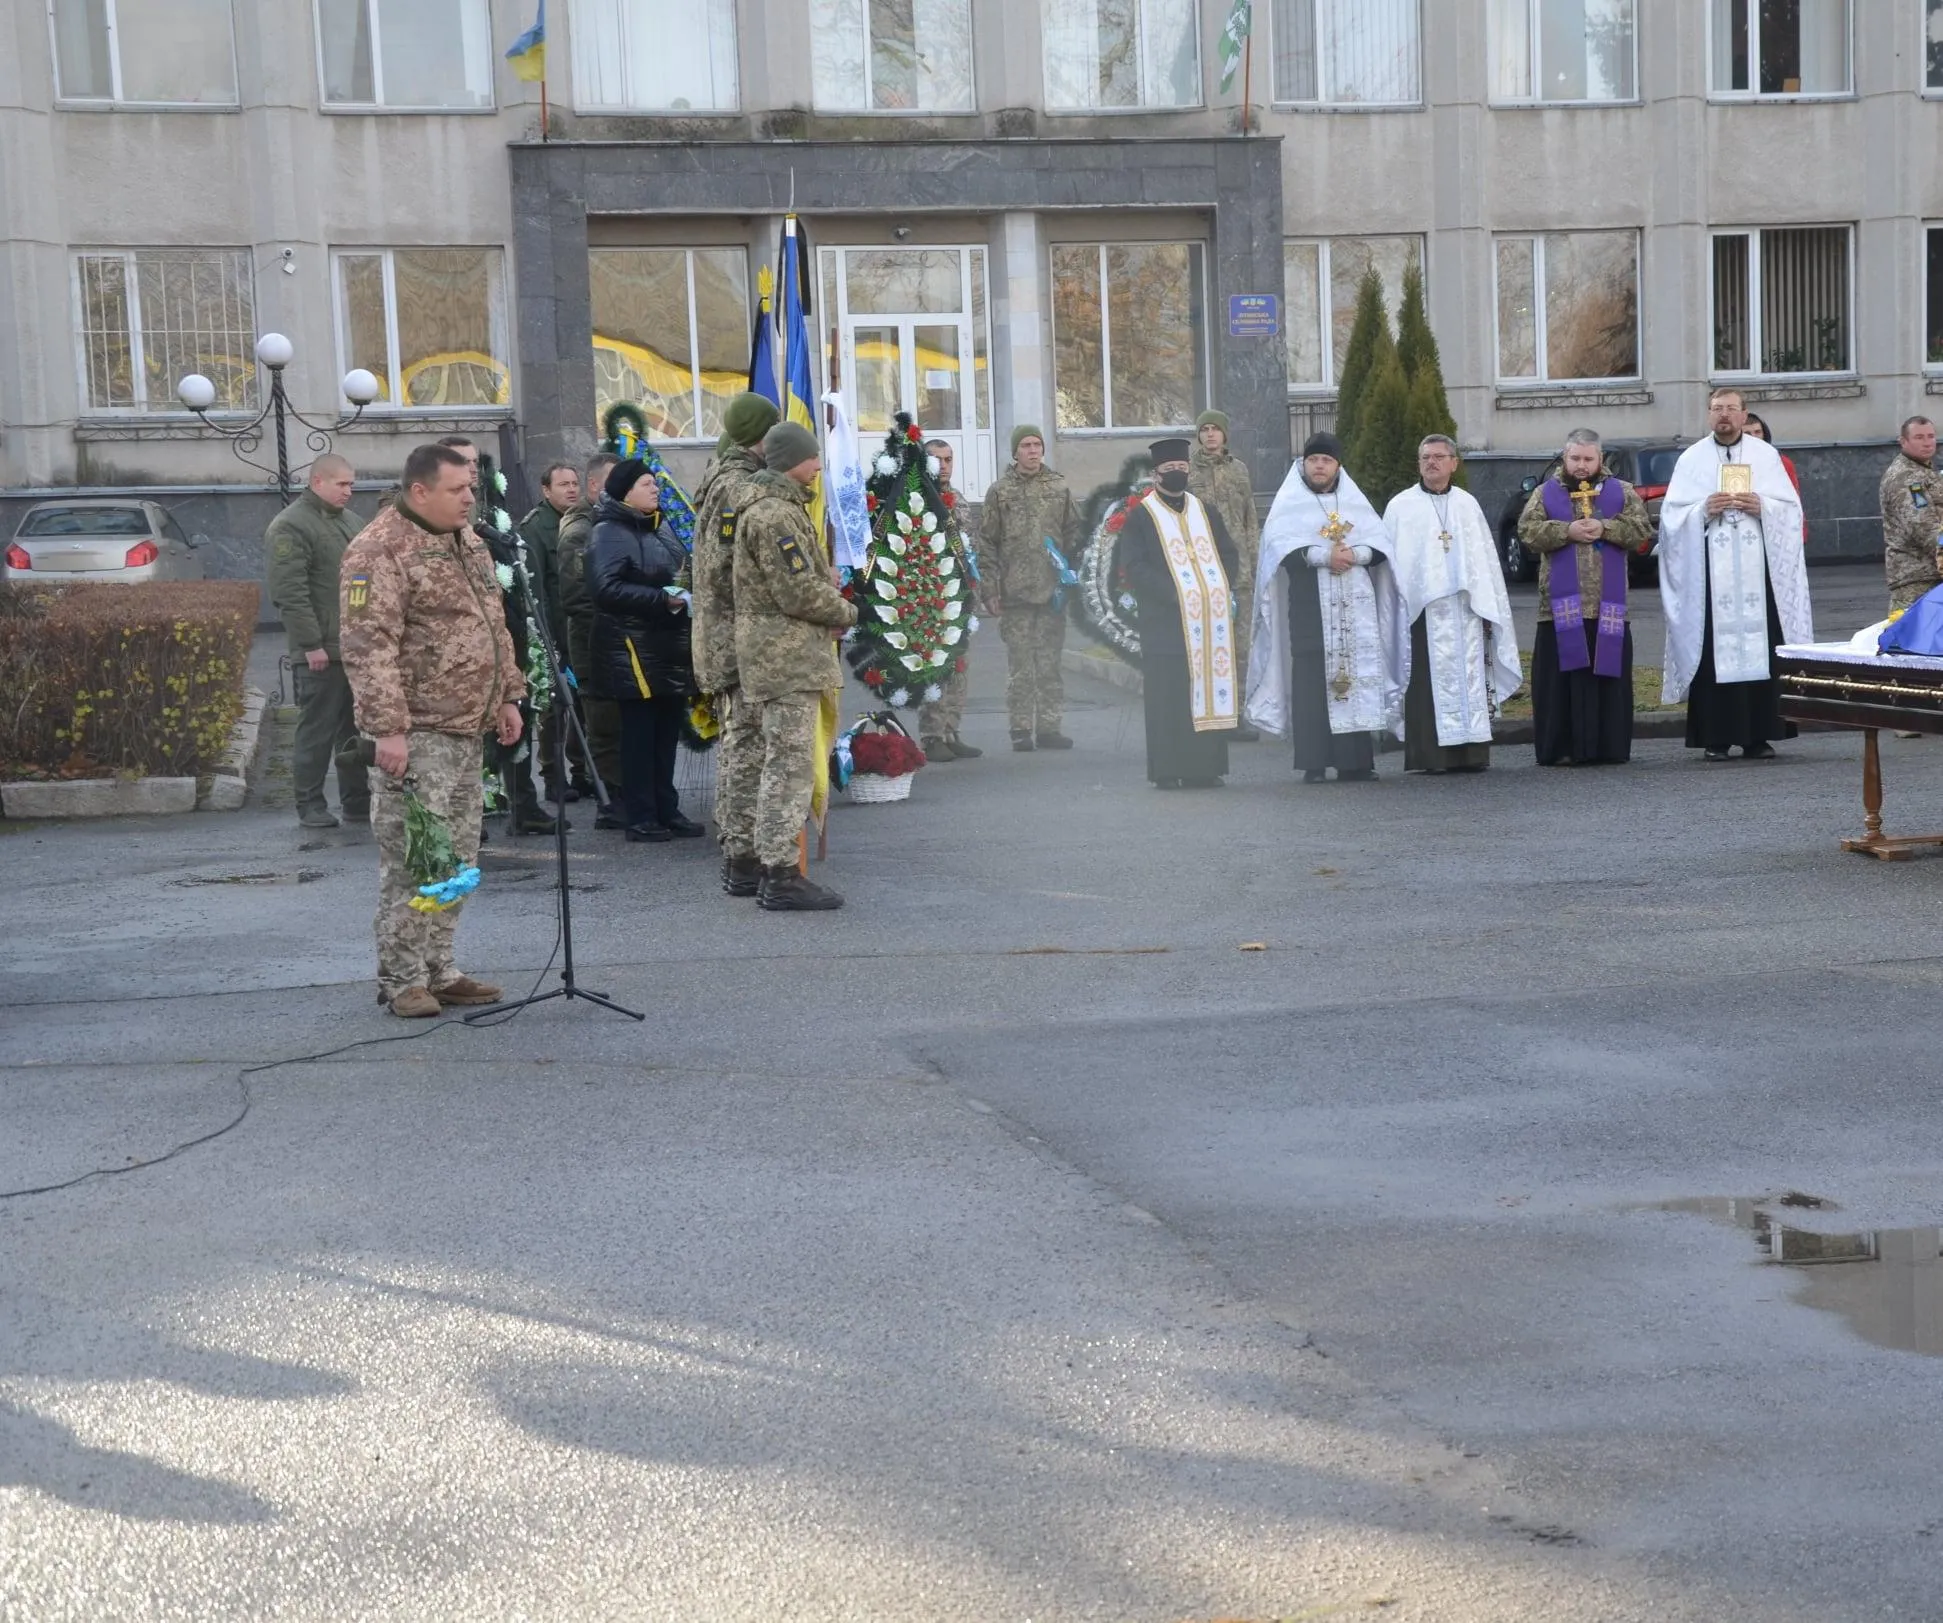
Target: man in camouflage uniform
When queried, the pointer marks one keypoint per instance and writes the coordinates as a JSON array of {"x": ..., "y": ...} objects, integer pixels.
[
  {"x": 1026, "y": 507},
  {"x": 602, "y": 716},
  {"x": 540, "y": 530},
  {"x": 724, "y": 491},
  {"x": 1221, "y": 481},
  {"x": 306, "y": 543},
  {"x": 1912, "y": 516},
  {"x": 432, "y": 669},
  {"x": 788, "y": 616},
  {"x": 938, "y": 721}
]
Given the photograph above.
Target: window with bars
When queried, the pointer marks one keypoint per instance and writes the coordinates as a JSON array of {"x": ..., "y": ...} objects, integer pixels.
[
  {"x": 671, "y": 334},
  {"x": 1104, "y": 54},
  {"x": 676, "y": 56},
  {"x": 1562, "y": 50},
  {"x": 1320, "y": 280},
  {"x": 899, "y": 56},
  {"x": 1568, "y": 307},
  {"x": 155, "y": 53},
  {"x": 1780, "y": 47},
  {"x": 1782, "y": 301},
  {"x": 1347, "y": 53},
  {"x": 1130, "y": 338},
  {"x": 147, "y": 317},
  {"x": 409, "y": 55},
  {"x": 428, "y": 323}
]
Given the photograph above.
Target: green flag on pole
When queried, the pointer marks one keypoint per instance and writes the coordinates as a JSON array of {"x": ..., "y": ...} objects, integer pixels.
[{"x": 1234, "y": 37}]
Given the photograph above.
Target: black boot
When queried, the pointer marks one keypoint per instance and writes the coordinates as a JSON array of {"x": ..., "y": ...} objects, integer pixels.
[
  {"x": 1051, "y": 738},
  {"x": 741, "y": 876},
  {"x": 962, "y": 750},
  {"x": 784, "y": 890}
]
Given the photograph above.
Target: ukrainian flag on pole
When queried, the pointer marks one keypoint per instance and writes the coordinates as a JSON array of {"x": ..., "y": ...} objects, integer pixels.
[{"x": 528, "y": 53}]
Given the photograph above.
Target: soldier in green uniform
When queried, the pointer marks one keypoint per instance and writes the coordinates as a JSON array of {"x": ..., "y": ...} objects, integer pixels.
[
  {"x": 1912, "y": 516},
  {"x": 1220, "y": 479},
  {"x": 540, "y": 530},
  {"x": 306, "y": 543},
  {"x": 938, "y": 721},
  {"x": 432, "y": 669},
  {"x": 788, "y": 616},
  {"x": 602, "y": 716},
  {"x": 1028, "y": 511},
  {"x": 723, "y": 493}
]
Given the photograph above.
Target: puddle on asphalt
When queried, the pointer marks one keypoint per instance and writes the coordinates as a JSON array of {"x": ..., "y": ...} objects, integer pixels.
[
  {"x": 298, "y": 876},
  {"x": 1887, "y": 1283}
]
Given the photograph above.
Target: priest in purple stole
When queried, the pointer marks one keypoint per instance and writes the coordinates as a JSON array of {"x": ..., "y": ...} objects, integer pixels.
[{"x": 1582, "y": 522}]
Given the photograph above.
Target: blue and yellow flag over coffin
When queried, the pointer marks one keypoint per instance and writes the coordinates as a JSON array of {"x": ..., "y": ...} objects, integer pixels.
[{"x": 528, "y": 52}]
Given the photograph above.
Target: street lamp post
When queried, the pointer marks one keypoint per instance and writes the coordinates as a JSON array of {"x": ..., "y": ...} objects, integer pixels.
[{"x": 275, "y": 351}]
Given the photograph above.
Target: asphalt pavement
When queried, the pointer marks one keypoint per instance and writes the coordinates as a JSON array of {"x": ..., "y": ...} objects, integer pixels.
[{"x": 1245, "y": 1204}]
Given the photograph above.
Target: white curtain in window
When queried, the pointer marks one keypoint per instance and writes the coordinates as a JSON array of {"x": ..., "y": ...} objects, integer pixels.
[
  {"x": 1730, "y": 58},
  {"x": 837, "y": 55},
  {"x": 178, "y": 52},
  {"x": 1824, "y": 46},
  {"x": 1302, "y": 310},
  {"x": 655, "y": 55},
  {"x": 1170, "y": 57},
  {"x": 1072, "y": 48},
  {"x": 435, "y": 53},
  {"x": 1510, "y": 44},
  {"x": 1369, "y": 50}
]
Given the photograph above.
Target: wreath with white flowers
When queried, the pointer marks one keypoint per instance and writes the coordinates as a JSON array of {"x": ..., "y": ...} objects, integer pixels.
[{"x": 914, "y": 602}]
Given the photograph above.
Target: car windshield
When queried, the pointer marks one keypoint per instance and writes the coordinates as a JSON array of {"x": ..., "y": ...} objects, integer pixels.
[
  {"x": 117, "y": 521},
  {"x": 1656, "y": 465}
]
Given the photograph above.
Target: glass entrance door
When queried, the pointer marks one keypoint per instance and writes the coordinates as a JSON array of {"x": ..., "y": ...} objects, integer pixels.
[{"x": 909, "y": 334}]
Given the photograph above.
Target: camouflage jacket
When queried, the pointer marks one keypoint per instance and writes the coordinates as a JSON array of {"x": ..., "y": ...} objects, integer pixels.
[
  {"x": 1221, "y": 480},
  {"x": 1912, "y": 514},
  {"x": 306, "y": 543},
  {"x": 719, "y": 499},
  {"x": 1021, "y": 511},
  {"x": 785, "y": 606},
  {"x": 1545, "y": 536},
  {"x": 424, "y": 639}
]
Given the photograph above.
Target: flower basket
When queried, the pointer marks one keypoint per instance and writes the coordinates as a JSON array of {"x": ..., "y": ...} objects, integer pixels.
[
  {"x": 875, "y": 761},
  {"x": 874, "y": 789}
]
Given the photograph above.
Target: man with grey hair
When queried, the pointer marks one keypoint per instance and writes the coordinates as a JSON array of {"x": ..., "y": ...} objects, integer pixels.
[
  {"x": 1463, "y": 658},
  {"x": 1582, "y": 522},
  {"x": 306, "y": 543}
]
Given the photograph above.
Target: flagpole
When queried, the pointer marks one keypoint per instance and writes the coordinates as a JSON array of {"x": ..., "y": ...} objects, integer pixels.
[
  {"x": 544, "y": 121},
  {"x": 1247, "y": 77}
]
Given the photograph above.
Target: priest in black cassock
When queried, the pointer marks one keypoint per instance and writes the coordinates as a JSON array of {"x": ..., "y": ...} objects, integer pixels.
[{"x": 1179, "y": 562}]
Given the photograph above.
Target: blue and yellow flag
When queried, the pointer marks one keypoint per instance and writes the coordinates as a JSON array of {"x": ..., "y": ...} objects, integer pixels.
[
  {"x": 762, "y": 344},
  {"x": 528, "y": 52}
]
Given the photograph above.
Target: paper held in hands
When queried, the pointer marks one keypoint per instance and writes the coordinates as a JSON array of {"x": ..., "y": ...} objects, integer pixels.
[{"x": 1736, "y": 479}]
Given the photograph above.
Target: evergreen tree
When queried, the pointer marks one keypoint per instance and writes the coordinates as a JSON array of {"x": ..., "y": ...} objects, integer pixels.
[
  {"x": 1428, "y": 413},
  {"x": 1380, "y": 460},
  {"x": 1429, "y": 409},
  {"x": 1369, "y": 342}
]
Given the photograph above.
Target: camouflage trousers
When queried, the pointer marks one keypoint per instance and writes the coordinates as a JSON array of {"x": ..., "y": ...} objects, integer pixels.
[
  {"x": 414, "y": 948},
  {"x": 1035, "y": 691},
  {"x": 788, "y": 729},
  {"x": 1242, "y": 586},
  {"x": 738, "y": 772},
  {"x": 940, "y": 719}
]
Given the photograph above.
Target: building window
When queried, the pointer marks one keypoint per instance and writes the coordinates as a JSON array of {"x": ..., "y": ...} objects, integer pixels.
[
  {"x": 1933, "y": 303},
  {"x": 671, "y": 334},
  {"x": 151, "y": 316},
  {"x": 1129, "y": 325},
  {"x": 676, "y": 56},
  {"x": 428, "y": 323},
  {"x": 1780, "y": 47},
  {"x": 1781, "y": 300},
  {"x": 1122, "y": 53},
  {"x": 170, "y": 53},
  {"x": 1319, "y": 286},
  {"x": 1360, "y": 53},
  {"x": 891, "y": 56},
  {"x": 1562, "y": 50},
  {"x": 1568, "y": 307},
  {"x": 412, "y": 55},
  {"x": 1933, "y": 45}
]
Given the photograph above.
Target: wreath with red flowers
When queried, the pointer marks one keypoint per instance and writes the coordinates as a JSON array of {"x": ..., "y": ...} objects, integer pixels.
[
  {"x": 914, "y": 603},
  {"x": 1104, "y": 602}
]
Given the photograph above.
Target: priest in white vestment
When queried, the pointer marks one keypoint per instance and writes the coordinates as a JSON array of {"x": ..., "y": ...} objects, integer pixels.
[
  {"x": 1461, "y": 662},
  {"x": 1734, "y": 585},
  {"x": 1327, "y": 625}
]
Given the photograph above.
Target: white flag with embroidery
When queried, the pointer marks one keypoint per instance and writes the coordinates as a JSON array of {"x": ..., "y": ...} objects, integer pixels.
[
  {"x": 843, "y": 489},
  {"x": 1234, "y": 39}
]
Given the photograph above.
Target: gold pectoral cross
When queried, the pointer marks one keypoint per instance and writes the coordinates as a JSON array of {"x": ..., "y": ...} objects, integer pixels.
[
  {"x": 1584, "y": 497},
  {"x": 1336, "y": 529}
]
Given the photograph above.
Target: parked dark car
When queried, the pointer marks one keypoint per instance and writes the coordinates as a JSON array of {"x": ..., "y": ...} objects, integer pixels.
[{"x": 1646, "y": 465}]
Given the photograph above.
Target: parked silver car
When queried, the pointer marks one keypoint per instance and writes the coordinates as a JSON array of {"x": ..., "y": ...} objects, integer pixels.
[{"x": 100, "y": 538}]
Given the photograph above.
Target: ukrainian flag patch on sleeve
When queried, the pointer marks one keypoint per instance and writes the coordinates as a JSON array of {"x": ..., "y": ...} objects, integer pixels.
[{"x": 357, "y": 593}]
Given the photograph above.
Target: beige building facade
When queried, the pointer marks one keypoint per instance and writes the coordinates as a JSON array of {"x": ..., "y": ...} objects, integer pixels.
[{"x": 1019, "y": 211}]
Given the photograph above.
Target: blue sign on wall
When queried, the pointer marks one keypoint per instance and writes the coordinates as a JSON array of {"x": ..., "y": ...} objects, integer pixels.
[{"x": 1254, "y": 315}]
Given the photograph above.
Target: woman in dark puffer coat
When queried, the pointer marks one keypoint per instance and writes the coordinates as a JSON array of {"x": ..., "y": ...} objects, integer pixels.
[{"x": 641, "y": 646}]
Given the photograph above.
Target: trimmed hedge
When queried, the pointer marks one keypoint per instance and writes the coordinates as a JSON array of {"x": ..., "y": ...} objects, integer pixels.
[{"x": 100, "y": 680}]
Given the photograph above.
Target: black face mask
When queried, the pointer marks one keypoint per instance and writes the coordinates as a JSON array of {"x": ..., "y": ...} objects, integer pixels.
[{"x": 1174, "y": 481}]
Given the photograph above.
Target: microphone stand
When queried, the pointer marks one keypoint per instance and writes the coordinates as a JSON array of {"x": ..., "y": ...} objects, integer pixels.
[{"x": 567, "y": 988}]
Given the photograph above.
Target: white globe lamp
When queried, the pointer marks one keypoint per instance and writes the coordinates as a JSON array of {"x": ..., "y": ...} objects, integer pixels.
[
  {"x": 274, "y": 351},
  {"x": 196, "y": 392}
]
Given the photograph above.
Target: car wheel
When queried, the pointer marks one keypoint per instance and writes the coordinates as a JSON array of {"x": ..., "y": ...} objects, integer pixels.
[{"x": 1519, "y": 564}]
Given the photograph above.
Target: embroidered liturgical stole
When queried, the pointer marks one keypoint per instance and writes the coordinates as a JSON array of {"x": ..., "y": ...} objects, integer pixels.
[
  {"x": 1562, "y": 506},
  {"x": 1207, "y": 625}
]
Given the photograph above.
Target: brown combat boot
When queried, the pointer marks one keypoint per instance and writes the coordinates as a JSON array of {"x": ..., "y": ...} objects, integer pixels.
[
  {"x": 741, "y": 875},
  {"x": 415, "y": 1003},
  {"x": 784, "y": 890},
  {"x": 465, "y": 990}
]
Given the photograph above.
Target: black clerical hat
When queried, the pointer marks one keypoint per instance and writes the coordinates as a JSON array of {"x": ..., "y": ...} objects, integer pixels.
[{"x": 1168, "y": 451}]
